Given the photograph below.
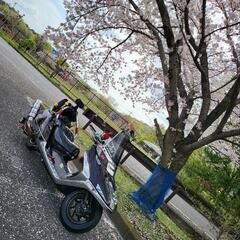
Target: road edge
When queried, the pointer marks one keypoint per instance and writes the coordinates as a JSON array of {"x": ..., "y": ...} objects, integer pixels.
[{"x": 123, "y": 225}]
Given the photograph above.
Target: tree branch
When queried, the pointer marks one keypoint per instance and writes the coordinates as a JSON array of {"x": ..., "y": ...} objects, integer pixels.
[
  {"x": 211, "y": 138},
  {"x": 155, "y": 32},
  {"x": 231, "y": 142},
  {"x": 182, "y": 90},
  {"x": 203, "y": 22},
  {"x": 187, "y": 27},
  {"x": 219, "y": 88},
  {"x": 162, "y": 55},
  {"x": 223, "y": 105},
  {"x": 205, "y": 85},
  {"x": 231, "y": 42},
  {"x": 231, "y": 105},
  {"x": 222, "y": 28},
  {"x": 122, "y": 42},
  {"x": 213, "y": 116},
  {"x": 166, "y": 23},
  {"x": 174, "y": 66}
]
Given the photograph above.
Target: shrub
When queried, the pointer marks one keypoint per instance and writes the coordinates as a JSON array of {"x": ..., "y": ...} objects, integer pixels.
[{"x": 27, "y": 44}]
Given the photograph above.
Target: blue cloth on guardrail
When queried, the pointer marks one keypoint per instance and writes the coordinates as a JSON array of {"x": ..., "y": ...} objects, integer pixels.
[{"x": 151, "y": 194}]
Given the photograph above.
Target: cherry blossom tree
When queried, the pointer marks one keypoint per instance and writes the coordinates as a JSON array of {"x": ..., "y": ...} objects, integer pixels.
[{"x": 177, "y": 55}]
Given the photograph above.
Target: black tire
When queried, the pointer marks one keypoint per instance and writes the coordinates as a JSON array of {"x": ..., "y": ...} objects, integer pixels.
[
  {"x": 74, "y": 210},
  {"x": 31, "y": 145}
]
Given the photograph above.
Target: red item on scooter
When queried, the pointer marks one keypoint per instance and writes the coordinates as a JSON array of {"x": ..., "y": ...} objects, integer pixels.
[{"x": 106, "y": 135}]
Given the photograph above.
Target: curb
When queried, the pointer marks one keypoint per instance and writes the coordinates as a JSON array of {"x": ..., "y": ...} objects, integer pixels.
[{"x": 124, "y": 227}]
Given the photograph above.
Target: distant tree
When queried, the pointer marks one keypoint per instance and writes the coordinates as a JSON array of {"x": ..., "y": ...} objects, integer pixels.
[
  {"x": 13, "y": 19},
  {"x": 60, "y": 61},
  {"x": 61, "y": 65},
  {"x": 24, "y": 29},
  {"x": 47, "y": 47},
  {"x": 42, "y": 44},
  {"x": 27, "y": 44}
]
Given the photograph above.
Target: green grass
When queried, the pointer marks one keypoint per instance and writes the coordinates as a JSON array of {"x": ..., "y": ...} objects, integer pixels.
[
  {"x": 8, "y": 39},
  {"x": 84, "y": 141},
  {"x": 163, "y": 228},
  {"x": 213, "y": 187}
]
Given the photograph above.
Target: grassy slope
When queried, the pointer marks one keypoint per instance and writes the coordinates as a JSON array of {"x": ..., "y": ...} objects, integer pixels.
[
  {"x": 143, "y": 130},
  {"x": 163, "y": 228},
  {"x": 209, "y": 179}
]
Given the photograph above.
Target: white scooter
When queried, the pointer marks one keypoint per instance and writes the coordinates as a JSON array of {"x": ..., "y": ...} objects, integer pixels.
[{"x": 87, "y": 182}]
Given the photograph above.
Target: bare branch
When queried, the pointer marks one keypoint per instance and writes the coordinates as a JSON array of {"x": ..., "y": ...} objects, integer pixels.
[
  {"x": 222, "y": 28},
  {"x": 211, "y": 138},
  {"x": 119, "y": 44},
  {"x": 219, "y": 88},
  {"x": 231, "y": 105},
  {"x": 232, "y": 142},
  {"x": 187, "y": 27}
]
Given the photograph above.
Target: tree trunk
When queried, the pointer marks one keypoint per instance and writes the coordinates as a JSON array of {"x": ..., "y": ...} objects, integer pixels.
[
  {"x": 179, "y": 161},
  {"x": 167, "y": 149}
]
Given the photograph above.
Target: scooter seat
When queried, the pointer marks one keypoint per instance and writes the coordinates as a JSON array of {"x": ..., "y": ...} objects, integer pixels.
[{"x": 63, "y": 144}]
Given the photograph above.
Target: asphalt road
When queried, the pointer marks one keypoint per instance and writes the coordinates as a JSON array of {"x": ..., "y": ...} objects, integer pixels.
[{"x": 29, "y": 200}]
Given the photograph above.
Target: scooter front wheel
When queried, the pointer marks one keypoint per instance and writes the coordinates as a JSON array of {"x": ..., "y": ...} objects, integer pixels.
[{"x": 80, "y": 212}]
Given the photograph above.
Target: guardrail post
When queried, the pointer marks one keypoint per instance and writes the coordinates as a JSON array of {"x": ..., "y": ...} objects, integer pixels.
[
  {"x": 88, "y": 123},
  {"x": 126, "y": 157},
  {"x": 171, "y": 195}
]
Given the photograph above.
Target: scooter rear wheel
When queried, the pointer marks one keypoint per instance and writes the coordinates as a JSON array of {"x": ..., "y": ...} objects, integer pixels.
[{"x": 80, "y": 212}]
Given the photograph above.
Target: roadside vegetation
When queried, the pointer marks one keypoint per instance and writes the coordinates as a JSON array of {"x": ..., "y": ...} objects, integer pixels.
[
  {"x": 211, "y": 182},
  {"x": 163, "y": 228}
]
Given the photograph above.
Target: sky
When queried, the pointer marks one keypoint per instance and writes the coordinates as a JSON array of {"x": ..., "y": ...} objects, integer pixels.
[{"x": 41, "y": 13}]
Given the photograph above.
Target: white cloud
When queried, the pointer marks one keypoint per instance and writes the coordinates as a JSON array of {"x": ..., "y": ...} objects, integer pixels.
[{"x": 40, "y": 14}]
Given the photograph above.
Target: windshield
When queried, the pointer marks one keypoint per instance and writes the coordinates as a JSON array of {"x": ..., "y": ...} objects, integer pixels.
[{"x": 115, "y": 147}]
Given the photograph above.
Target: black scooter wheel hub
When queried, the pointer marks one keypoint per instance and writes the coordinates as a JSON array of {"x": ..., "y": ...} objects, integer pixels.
[{"x": 80, "y": 212}]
